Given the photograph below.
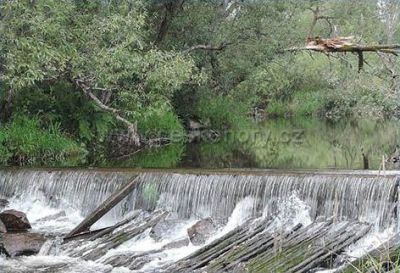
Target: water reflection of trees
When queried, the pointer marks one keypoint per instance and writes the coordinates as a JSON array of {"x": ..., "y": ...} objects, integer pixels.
[
  {"x": 302, "y": 143},
  {"x": 322, "y": 145}
]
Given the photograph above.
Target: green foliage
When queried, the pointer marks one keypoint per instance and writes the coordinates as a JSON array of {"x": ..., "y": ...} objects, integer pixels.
[
  {"x": 359, "y": 96},
  {"x": 104, "y": 47},
  {"x": 306, "y": 103},
  {"x": 23, "y": 142},
  {"x": 222, "y": 112},
  {"x": 138, "y": 58},
  {"x": 161, "y": 123},
  {"x": 277, "y": 108}
]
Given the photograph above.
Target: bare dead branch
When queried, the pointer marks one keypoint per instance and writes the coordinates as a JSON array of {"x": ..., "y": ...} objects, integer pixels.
[
  {"x": 219, "y": 47},
  {"x": 344, "y": 45}
]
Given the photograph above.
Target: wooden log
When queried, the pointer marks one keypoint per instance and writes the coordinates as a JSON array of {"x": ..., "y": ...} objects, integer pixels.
[
  {"x": 266, "y": 244},
  {"x": 295, "y": 252},
  {"x": 83, "y": 235},
  {"x": 289, "y": 246},
  {"x": 132, "y": 260},
  {"x": 122, "y": 236},
  {"x": 111, "y": 229},
  {"x": 217, "y": 245},
  {"x": 228, "y": 247},
  {"x": 295, "y": 249},
  {"x": 105, "y": 207},
  {"x": 334, "y": 247},
  {"x": 95, "y": 234},
  {"x": 300, "y": 250}
]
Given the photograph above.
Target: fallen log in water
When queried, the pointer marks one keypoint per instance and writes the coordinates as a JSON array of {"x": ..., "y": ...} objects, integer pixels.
[
  {"x": 105, "y": 207},
  {"x": 132, "y": 260},
  {"x": 93, "y": 249},
  {"x": 95, "y": 234},
  {"x": 112, "y": 228},
  {"x": 254, "y": 248},
  {"x": 385, "y": 258}
]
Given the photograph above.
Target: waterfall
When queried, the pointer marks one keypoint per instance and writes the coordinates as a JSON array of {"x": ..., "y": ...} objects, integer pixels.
[{"x": 341, "y": 196}]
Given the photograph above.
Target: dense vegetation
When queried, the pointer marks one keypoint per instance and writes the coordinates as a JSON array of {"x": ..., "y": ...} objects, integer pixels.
[{"x": 96, "y": 79}]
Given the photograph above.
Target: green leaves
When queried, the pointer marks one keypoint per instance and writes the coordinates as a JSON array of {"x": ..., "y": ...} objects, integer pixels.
[
  {"x": 105, "y": 44},
  {"x": 23, "y": 142}
]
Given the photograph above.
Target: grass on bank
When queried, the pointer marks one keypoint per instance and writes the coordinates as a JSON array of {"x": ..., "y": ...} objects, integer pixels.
[{"x": 25, "y": 142}]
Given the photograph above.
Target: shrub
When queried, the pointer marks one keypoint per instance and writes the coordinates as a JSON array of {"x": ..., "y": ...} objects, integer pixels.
[
  {"x": 161, "y": 122},
  {"x": 23, "y": 142},
  {"x": 222, "y": 112},
  {"x": 307, "y": 103},
  {"x": 277, "y": 108}
]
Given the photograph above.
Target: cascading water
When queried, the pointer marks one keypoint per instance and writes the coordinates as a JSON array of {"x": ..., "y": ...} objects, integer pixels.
[
  {"x": 367, "y": 198},
  {"x": 229, "y": 199}
]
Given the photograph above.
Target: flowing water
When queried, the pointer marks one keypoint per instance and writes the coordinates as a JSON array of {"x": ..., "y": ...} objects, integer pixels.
[{"x": 228, "y": 198}]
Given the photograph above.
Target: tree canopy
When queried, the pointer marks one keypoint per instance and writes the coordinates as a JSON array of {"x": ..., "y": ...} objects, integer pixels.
[{"x": 99, "y": 69}]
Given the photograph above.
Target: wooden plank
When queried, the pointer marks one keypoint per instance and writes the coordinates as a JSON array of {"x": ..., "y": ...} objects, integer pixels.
[{"x": 105, "y": 207}]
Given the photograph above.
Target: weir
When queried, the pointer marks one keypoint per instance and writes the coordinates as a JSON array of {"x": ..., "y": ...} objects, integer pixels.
[
  {"x": 342, "y": 196},
  {"x": 349, "y": 205}
]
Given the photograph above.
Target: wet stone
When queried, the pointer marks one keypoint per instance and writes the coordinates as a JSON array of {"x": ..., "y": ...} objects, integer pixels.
[
  {"x": 3, "y": 228},
  {"x": 15, "y": 220},
  {"x": 161, "y": 229},
  {"x": 177, "y": 244},
  {"x": 201, "y": 231},
  {"x": 21, "y": 244}
]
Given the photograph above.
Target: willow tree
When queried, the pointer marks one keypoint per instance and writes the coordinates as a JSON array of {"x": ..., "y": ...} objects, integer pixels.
[{"x": 100, "y": 48}]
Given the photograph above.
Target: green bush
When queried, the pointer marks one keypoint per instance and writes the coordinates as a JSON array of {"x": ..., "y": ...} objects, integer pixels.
[
  {"x": 23, "y": 142},
  {"x": 222, "y": 112},
  {"x": 307, "y": 103},
  {"x": 355, "y": 99},
  {"x": 277, "y": 108},
  {"x": 161, "y": 122}
]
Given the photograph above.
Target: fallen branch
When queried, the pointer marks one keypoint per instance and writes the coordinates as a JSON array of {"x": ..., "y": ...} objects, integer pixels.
[
  {"x": 105, "y": 207},
  {"x": 344, "y": 45}
]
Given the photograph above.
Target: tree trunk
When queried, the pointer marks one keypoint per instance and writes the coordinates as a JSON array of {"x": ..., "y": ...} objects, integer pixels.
[
  {"x": 7, "y": 106},
  {"x": 105, "y": 207}
]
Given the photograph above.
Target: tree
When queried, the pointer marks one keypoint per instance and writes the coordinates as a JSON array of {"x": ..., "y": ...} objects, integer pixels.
[{"x": 100, "y": 48}]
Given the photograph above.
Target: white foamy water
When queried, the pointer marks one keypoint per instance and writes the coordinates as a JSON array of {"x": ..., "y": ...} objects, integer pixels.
[
  {"x": 52, "y": 264},
  {"x": 289, "y": 213},
  {"x": 230, "y": 200},
  {"x": 242, "y": 212},
  {"x": 37, "y": 209},
  {"x": 65, "y": 216},
  {"x": 373, "y": 240}
]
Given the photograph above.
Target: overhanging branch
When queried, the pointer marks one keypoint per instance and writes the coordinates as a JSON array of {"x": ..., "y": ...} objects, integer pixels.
[
  {"x": 344, "y": 45},
  {"x": 132, "y": 127}
]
